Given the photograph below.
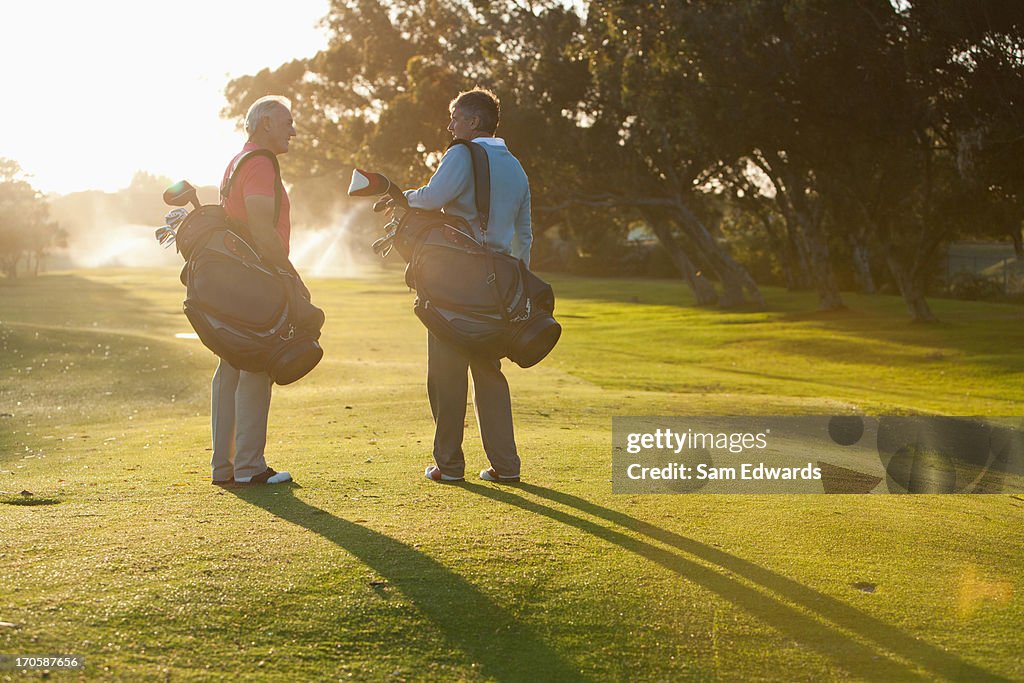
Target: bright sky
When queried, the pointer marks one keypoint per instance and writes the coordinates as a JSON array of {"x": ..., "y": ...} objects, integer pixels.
[{"x": 95, "y": 91}]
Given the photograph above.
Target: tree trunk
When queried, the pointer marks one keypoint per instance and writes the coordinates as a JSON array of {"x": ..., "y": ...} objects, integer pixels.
[
  {"x": 820, "y": 263},
  {"x": 912, "y": 290},
  {"x": 797, "y": 252},
  {"x": 703, "y": 290},
  {"x": 788, "y": 275},
  {"x": 791, "y": 188},
  {"x": 732, "y": 291},
  {"x": 781, "y": 247},
  {"x": 862, "y": 266},
  {"x": 10, "y": 265},
  {"x": 736, "y": 281}
]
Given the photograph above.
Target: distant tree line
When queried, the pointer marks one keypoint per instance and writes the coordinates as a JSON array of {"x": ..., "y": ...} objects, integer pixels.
[
  {"x": 26, "y": 232},
  {"x": 89, "y": 215},
  {"x": 824, "y": 138}
]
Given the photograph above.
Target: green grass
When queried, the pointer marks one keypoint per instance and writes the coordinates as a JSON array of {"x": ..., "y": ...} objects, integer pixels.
[{"x": 364, "y": 570}]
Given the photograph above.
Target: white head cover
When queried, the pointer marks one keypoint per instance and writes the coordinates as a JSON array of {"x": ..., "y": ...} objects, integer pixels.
[{"x": 367, "y": 184}]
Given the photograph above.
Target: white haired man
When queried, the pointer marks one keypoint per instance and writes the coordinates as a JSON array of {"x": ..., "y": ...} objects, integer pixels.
[
  {"x": 241, "y": 399},
  {"x": 474, "y": 116}
]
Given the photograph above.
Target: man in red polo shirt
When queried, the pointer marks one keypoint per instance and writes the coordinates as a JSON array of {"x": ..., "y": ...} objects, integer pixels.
[{"x": 241, "y": 400}]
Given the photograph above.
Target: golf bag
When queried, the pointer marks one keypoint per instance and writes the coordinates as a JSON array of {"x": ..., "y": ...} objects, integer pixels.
[
  {"x": 488, "y": 304},
  {"x": 253, "y": 316}
]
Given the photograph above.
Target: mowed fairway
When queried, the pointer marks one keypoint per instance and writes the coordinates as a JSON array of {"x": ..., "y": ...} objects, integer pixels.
[{"x": 364, "y": 570}]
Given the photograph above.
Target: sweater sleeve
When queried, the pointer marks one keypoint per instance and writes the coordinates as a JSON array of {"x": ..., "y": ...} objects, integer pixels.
[
  {"x": 522, "y": 240},
  {"x": 450, "y": 180}
]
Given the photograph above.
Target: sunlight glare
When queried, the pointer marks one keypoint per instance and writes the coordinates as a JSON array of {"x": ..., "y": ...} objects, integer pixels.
[{"x": 109, "y": 88}]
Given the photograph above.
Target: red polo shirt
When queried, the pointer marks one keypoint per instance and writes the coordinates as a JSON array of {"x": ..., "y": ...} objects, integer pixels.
[{"x": 256, "y": 177}]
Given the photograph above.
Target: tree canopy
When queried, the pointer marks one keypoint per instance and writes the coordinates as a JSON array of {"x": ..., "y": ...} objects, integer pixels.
[
  {"x": 26, "y": 233},
  {"x": 840, "y": 138}
]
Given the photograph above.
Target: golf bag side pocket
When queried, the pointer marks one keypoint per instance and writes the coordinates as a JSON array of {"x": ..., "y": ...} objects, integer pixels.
[
  {"x": 197, "y": 228},
  {"x": 457, "y": 300},
  {"x": 255, "y": 319}
]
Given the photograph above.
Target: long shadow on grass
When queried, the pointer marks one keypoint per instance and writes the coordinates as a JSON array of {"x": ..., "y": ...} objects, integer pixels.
[
  {"x": 851, "y": 655},
  {"x": 505, "y": 649}
]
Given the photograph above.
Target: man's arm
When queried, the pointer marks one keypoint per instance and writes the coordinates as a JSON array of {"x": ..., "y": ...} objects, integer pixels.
[
  {"x": 260, "y": 211},
  {"x": 522, "y": 240},
  {"x": 451, "y": 179}
]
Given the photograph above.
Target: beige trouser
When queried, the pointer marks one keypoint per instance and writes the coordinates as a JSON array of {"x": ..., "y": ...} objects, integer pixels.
[
  {"x": 240, "y": 406},
  {"x": 447, "y": 386}
]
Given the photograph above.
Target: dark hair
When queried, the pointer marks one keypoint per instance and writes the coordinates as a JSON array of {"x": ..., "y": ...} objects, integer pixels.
[{"x": 480, "y": 103}]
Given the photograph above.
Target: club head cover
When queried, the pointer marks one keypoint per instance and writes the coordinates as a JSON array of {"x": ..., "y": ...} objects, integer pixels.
[{"x": 367, "y": 184}]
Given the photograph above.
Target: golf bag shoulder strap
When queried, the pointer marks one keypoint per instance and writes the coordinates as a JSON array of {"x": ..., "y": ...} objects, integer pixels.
[
  {"x": 481, "y": 178},
  {"x": 482, "y": 183},
  {"x": 225, "y": 189}
]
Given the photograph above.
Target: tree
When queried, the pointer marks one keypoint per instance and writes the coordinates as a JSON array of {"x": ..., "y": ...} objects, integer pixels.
[
  {"x": 652, "y": 152},
  {"x": 872, "y": 131},
  {"x": 360, "y": 101},
  {"x": 859, "y": 112},
  {"x": 25, "y": 230}
]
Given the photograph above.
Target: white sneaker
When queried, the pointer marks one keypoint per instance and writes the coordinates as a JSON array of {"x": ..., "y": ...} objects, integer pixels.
[
  {"x": 490, "y": 475},
  {"x": 434, "y": 474},
  {"x": 267, "y": 477}
]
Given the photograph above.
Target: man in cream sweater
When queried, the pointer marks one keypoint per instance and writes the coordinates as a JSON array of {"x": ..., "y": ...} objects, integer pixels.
[{"x": 475, "y": 117}]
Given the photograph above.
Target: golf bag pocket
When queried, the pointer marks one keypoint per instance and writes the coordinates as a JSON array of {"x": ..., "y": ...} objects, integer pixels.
[
  {"x": 255, "y": 319},
  {"x": 478, "y": 334},
  {"x": 460, "y": 298},
  {"x": 245, "y": 295},
  {"x": 534, "y": 330},
  {"x": 455, "y": 276},
  {"x": 197, "y": 228}
]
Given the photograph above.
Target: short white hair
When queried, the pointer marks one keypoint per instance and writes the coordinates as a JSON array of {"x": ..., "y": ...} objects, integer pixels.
[{"x": 262, "y": 107}]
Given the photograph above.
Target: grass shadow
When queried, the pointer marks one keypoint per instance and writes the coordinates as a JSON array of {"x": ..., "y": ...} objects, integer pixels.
[
  {"x": 28, "y": 502},
  {"x": 871, "y": 319},
  {"x": 802, "y": 622},
  {"x": 911, "y": 347},
  {"x": 912, "y": 394},
  {"x": 72, "y": 300},
  {"x": 468, "y": 619},
  {"x": 667, "y": 292}
]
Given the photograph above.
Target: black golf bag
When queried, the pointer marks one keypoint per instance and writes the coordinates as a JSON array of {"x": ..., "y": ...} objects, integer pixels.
[
  {"x": 253, "y": 316},
  {"x": 488, "y": 304}
]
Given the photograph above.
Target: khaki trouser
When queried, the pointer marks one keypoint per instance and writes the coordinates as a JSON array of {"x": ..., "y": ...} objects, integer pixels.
[
  {"x": 240, "y": 406},
  {"x": 447, "y": 386}
]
